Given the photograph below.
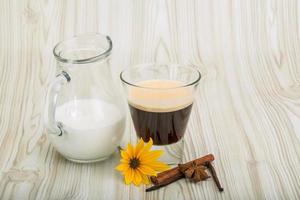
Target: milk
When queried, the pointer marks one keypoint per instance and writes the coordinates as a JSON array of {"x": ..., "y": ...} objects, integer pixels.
[{"x": 93, "y": 129}]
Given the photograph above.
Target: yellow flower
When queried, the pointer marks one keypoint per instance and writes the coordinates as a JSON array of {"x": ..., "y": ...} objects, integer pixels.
[{"x": 138, "y": 162}]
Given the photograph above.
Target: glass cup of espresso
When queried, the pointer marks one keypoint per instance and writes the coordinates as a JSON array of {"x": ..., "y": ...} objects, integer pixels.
[{"x": 160, "y": 98}]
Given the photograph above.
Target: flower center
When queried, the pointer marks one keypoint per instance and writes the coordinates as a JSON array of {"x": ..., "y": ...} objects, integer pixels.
[{"x": 134, "y": 163}]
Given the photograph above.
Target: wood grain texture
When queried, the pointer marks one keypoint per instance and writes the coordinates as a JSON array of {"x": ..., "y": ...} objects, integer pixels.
[{"x": 247, "y": 111}]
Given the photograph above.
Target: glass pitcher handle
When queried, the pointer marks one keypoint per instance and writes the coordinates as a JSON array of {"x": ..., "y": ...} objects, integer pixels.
[{"x": 54, "y": 127}]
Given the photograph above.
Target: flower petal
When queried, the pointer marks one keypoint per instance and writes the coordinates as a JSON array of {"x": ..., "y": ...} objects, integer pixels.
[
  {"x": 129, "y": 176},
  {"x": 148, "y": 145},
  {"x": 122, "y": 167},
  {"x": 145, "y": 148},
  {"x": 137, "y": 178},
  {"x": 147, "y": 170},
  {"x": 124, "y": 161},
  {"x": 139, "y": 147},
  {"x": 125, "y": 155},
  {"x": 130, "y": 150},
  {"x": 158, "y": 166},
  {"x": 151, "y": 156},
  {"x": 145, "y": 179}
]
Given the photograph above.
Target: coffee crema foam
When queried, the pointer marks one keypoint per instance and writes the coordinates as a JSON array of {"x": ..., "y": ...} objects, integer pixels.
[{"x": 160, "y": 95}]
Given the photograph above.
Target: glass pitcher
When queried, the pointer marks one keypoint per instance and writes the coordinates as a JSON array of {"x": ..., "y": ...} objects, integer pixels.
[{"x": 85, "y": 118}]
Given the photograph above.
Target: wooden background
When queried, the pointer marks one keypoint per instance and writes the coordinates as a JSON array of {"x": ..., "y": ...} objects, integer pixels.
[{"x": 247, "y": 111}]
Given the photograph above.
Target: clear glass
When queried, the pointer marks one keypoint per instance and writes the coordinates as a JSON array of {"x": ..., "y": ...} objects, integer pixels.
[
  {"x": 160, "y": 98},
  {"x": 85, "y": 118}
]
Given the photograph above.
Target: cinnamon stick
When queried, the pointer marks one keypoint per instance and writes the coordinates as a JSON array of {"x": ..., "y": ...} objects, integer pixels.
[
  {"x": 165, "y": 178},
  {"x": 214, "y": 176},
  {"x": 170, "y": 175},
  {"x": 174, "y": 174}
]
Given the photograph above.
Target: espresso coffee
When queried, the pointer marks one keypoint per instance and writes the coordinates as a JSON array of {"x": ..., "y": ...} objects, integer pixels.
[{"x": 160, "y": 109}]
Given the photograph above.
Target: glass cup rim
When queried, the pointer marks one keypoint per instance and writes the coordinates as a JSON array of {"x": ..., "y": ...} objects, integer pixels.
[
  {"x": 99, "y": 56},
  {"x": 193, "y": 82}
]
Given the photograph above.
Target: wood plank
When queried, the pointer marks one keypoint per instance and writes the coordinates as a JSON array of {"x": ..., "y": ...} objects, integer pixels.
[{"x": 247, "y": 108}]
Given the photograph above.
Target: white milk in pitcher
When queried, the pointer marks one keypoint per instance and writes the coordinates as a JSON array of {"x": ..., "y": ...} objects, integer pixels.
[{"x": 93, "y": 129}]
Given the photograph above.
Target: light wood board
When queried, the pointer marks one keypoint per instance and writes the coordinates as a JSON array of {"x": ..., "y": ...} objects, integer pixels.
[{"x": 247, "y": 111}]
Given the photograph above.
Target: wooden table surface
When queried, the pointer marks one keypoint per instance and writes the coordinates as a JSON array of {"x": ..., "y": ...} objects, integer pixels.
[{"x": 247, "y": 111}]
